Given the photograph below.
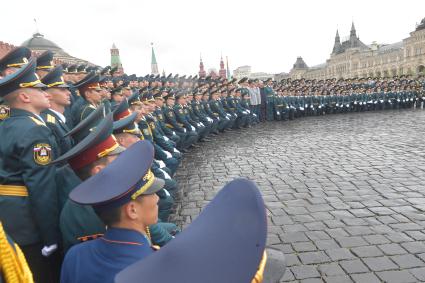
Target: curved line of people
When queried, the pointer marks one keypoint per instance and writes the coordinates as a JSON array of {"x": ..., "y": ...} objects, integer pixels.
[
  {"x": 61, "y": 130},
  {"x": 55, "y": 137}
]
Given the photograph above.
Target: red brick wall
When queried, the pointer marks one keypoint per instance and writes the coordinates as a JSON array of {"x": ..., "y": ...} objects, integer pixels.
[{"x": 5, "y": 48}]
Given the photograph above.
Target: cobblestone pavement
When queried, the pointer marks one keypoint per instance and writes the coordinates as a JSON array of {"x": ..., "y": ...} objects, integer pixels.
[{"x": 345, "y": 193}]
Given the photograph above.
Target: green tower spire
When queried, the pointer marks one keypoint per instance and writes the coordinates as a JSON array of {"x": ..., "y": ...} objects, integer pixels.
[
  {"x": 154, "y": 64},
  {"x": 115, "y": 59}
]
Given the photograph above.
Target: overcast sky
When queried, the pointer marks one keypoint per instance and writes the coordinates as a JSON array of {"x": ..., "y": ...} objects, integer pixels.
[{"x": 267, "y": 35}]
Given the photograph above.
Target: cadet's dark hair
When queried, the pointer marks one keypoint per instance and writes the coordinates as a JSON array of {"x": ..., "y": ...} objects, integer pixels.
[
  {"x": 84, "y": 173},
  {"x": 110, "y": 216}
]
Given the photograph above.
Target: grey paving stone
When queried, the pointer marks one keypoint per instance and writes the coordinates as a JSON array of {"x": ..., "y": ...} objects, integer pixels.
[
  {"x": 407, "y": 261},
  {"x": 317, "y": 235},
  {"x": 339, "y": 254},
  {"x": 365, "y": 278},
  {"x": 292, "y": 259},
  {"x": 350, "y": 242},
  {"x": 353, "y": 266},
  {"x": 330, "y": 269},
  {"x": 326, "y": 244},
  {"x": 419, "y": 273},
  {"x": 414, "y": 247},
  {"x": 380, "y": 263},
  {"x": 294, "y": 237},
  {"x": 338, "y": 279},
  {"x": 392, "y": 249},
  {"x": 304, "y": 246},
  {"x": 376, "y": 239},
  {"x": 367, "y": 251},
  {"x": 396, "y": 276},
  {"x": 313, "y": 257},
  {"x": 287, "y": 276},
  {"x": 305, "y": 271},
  {"x": 312, "y": 280}
]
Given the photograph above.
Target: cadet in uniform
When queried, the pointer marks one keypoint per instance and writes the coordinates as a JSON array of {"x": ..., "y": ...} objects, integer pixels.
[
  {"x": 169, "y": 133},
  {"x": 9, "y": 64},
  {"x": 123, "y": 196},
  {"x": 28, "y": 196},
  {"x": 60, "y": 98},
  {"x": 127, "y": 133},
  {"x": 91, "y": 97},
  {"x": 186, "y": 138},
  {"x": 181, "y": 118},
  {"x": 44, "y": 63},
  {"x": 87, "y": 158}
]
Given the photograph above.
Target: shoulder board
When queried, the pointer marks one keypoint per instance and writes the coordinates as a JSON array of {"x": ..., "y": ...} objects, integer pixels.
[
  {"x": 38, "y": 122},
  {"x": 51, "y": 119}
]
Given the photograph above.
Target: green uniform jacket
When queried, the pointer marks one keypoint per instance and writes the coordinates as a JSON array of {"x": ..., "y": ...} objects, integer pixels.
[
  {"x": 80, "y": 111},
  {"x": 27, "y": 146},
  {"x": 59, "y": 130}
]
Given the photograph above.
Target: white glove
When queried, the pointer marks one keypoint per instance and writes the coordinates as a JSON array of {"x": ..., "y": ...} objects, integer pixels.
[
  {"x": 166, "y": 138},
  {"x": 202, "y": 124},
  {"x": 168, "y": 154},
  {"x": 174, "y": 133},
  {"x": 249, "y": 111},
  {"x": 209, "y": 119},
  {"x": 184, "y": 130},
  {"x": 161, "y": 163},
  {"x": 227, "y": 118},
  {"x": 166, "y": 176},
  {"x": 176, "y": 150},
  {"x": 48, "y": 250},
  {"x": 167, "y": 193},
  {"x": 193, "y": 128}
]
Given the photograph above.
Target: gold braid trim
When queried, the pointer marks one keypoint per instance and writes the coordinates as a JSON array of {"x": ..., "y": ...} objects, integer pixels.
[
  {"x": 148, "y": 233},
  {"x": 44, "y": 67},
  {"x": 150, "y": 178},
  {"x": 258, "y": 278},
  {"x": 55, "y": 84},
  {"x": 12, "y": 262},
  {"x": 30, "y": 84}
]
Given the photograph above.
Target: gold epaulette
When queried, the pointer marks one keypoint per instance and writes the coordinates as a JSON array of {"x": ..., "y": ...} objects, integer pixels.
[
  {"x": 13, "y": 264},
  {"x": 38, "y": 122},
  {"x": 51, "y": 119},
  {"x": 169, "y": 126}
]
